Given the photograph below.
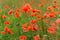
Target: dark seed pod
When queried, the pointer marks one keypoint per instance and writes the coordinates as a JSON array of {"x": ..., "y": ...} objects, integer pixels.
[{"x": 17, "y": 24}]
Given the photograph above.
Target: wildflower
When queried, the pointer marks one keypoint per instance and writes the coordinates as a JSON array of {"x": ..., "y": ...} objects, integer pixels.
[
  {"x": 33, "y": 14},
  {"x": 50, "y": 8},
  {"x": 52, "y": 15},
  {"x": 24, "y": 27},
  {"x": 22, "y": 37},
  {"x": 34, "y": 27},
  {"x": 36, "y": 37},
  {"x": 3, "y": 32},
  {"x": 10, "y": 32},
  {"x": 53, "y": 25},
  {"x": 38, "y": 17},
  {"x": 55, "y": 5},
  {"x": 35, "y": 10},
  {"x": 6, "y": 22},
  {"x": 10, "y": 12},
  {"x": 29, "y": 27},
  {"x": 16, "y": 14},
  {"x": 6, "y": 6},
  {"x": 33, "y": 21},
  {"x": 6, "y": 29},
  {"x": 17, "y": 9},
  {"x": 58, "y": 21},
  {"x": 51, "y": 30},
  {"x": 25, "y": 30},
  {"x": 4, "y": 16},
  {"x": 46, "y": 15},
  {"x": 26, "y": 8}
]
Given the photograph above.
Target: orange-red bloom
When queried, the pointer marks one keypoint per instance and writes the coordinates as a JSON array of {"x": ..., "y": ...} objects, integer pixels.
[
  {"x": 6, "y": 6},
  {"x": 3, "y": 32},
  {"x": 6, "y": 22},
  {"x": 35, "y": 10},
  {"x": 7, "y": 30},
  {"x": 16, "y": 14},
  {"x": 58, "y": 21},
  {"x": 22, "y": 37},
  {"x": 10, "y": 12},
  {"x": 29, "y": 27},
  {"x": 24, "y": 27},
  {"x": 50, "y": 8},
  {"x": 4, "y": 16},
  {"x": 46, "y": 15},
  {"x": 33, "y": 21},
  {"x": 26, "y": 8},
  {"x": 38, "y": 17},
  {"x": 34, "y": 27},
  {"x": 33, "y": 14},
  {"x": 37, "y": 37},
  {"x": 52, "y": 15},
  {"x": 51, "y": 30}
]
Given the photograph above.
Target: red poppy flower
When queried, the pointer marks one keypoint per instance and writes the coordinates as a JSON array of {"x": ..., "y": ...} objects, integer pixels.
[
  {"x": 6, "y": 6},
  {"x": 24, "y": 27},
  {"x": 33, "y": 14},
  {"x": 33, "y": 21},
  {"x": 53, "y": 25},
  {"x": 35, "y": 10},
  {"x": 46, "y": 15},
  {"x": 37, "y": 37},
  {"x": 17, "y": 9},
  {"x": 50, "y": 8},
  {"x": 51, "y": 30},
  {"x": 3, "y": 32},
  {"x": 34, "y": 27},
  {"x": 7, "y": 30},
  {"x": 52, "y": 15},
  {"x": 10, "y": 12},
  {"x": 29, "y": 27},
  {"x": 10, "y": 32},
  {"x": 22, "y": 37},
  {"x": 58, "y": 21},
  {"x": 6, "y": 22},
  {"x": 16, "y": 14},
  {"x": 4, "y": 16},
  {"x": 38, "y": 17},
  {"x": 26, "y": 8}
]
